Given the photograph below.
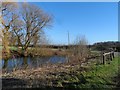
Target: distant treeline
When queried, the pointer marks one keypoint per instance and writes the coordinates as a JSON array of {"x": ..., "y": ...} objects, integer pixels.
[
  {"x": 106, "y": 46},
  {"x": 100, "y": 46}
]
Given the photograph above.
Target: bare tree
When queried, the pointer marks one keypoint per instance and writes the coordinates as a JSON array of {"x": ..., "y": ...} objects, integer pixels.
[
  {"x": 80, "y": 47},
  {"x": 7, "y": 17},
  {"x": 30, "y": 26},
  {"x": 0, "y": 24}
]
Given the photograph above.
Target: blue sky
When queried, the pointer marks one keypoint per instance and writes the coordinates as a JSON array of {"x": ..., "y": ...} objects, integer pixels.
[{"x": 97, "y": 21}]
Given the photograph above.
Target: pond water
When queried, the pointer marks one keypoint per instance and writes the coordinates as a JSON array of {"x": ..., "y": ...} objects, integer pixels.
[{"x": 31, "y": 62}]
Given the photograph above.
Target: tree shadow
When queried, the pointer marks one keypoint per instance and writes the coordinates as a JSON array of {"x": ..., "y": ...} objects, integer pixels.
[
  {"x": 118, "y": 81},
  {"x": 19, "y": 84},
  {"x": 8, "y": 83}
]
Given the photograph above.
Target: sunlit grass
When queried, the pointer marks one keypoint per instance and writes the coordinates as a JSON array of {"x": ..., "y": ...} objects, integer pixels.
[{"x": 101, "y": 76}]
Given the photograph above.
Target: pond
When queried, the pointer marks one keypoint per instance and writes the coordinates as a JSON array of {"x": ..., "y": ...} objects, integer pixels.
[{"x": 31, "y": 62}]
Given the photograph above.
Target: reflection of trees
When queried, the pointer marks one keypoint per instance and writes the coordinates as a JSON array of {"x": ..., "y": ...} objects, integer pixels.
[
  {"x": 5, "y": 63},
  {"x": 15, "y": 62},
  {"x": 29, "y": 61},
  {"x": 33, "y": 62},
  {"x": 25, "y": 61}
]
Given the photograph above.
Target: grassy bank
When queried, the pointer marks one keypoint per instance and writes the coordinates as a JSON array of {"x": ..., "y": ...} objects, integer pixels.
[
  {"x": 102, "y": 76},
  {"x": 68, "y": 76},
  {"x": 33, "y": 51},
  {"x": 46, "y": 52},
  {"x": 95, "y": 76}
]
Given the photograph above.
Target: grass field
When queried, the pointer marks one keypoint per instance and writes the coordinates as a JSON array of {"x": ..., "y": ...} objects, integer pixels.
[{"x": 101, "y": 76}]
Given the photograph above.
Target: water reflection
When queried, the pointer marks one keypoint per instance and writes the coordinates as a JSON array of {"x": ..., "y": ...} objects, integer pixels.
[
  {"x": 56, "y": 59},
  {"x": 1, "y": 63},
  {"x": 31, "y": 62}
]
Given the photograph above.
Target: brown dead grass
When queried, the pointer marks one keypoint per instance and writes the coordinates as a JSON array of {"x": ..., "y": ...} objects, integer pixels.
[{"x": 47, "y": 52}]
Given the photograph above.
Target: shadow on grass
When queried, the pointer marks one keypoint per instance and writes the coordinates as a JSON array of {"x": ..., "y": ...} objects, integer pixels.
[
  {"x": 9, "y": 83},
  {"x": 117, "y": 79},
  {"x": 19, "y": 84}
]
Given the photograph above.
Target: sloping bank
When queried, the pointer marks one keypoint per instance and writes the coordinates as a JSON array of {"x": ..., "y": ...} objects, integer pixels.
[{"x": 64, "y": 76}]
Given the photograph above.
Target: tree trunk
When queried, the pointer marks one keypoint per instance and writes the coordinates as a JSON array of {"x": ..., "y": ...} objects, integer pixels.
[
  {"x": 5, "y": 41},
  {"x": 24, "y": 52}
]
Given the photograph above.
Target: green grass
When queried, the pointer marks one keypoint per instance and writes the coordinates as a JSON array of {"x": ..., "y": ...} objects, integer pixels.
[
  {"x": 13, "y": 48},
  {"x": 0, "y": 47},
  {"x": 101, "y": 76}
]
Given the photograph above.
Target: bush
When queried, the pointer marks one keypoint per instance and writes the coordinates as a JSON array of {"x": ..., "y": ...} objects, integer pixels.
[{"x": 80, "y": 49}]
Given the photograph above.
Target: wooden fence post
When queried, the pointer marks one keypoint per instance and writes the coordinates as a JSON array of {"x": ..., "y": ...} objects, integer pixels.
[
  {"x": 103, "y": 58},
  {"x": 111, "y": 56},
  {"x": 109, "y": 59}
]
